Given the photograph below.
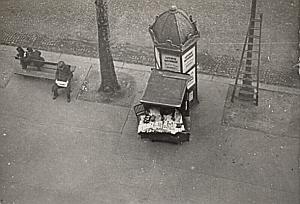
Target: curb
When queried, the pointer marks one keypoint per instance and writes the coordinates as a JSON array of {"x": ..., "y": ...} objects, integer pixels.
[
  {"x": 145, "y": 68},
  {"x": 268, "y": 87}
]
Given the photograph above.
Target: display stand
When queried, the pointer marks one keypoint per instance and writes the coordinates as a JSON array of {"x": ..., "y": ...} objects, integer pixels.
[{"x": 163, "y": 114}]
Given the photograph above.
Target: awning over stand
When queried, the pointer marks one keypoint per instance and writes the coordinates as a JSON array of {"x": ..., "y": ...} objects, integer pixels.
[{"x": 165, "y": 88}]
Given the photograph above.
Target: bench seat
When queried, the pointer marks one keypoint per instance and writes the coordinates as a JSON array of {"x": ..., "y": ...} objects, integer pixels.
[
  {"x": 45, "y": 73},
  {"x": 35, "y": 73}
]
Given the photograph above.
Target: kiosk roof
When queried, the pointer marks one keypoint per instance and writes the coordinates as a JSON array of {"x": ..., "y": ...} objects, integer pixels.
[{"x": 165, "y": 88}]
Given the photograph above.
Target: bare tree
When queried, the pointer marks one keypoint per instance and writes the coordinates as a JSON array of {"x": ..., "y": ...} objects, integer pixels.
[{"x": 109, "y": 81}]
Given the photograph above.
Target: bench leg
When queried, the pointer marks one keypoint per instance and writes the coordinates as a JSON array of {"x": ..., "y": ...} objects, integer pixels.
[
  {"x": 55, "y": 91},
  {"x": 68, "y": 93}
]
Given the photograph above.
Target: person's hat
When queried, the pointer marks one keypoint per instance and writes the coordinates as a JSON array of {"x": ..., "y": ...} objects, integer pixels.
[{"x": 60, "y": 64}]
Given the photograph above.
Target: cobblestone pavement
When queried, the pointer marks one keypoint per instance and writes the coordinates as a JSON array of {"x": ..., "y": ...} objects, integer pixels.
[{"x": 70, "y": 27}]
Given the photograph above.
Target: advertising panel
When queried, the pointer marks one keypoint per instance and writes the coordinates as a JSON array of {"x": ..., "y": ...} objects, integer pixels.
[
  {"x": 192, "y": 81},
  {"x": 157, "y": 58},
  {"x": 170, "y": 62},
  {"x": 189, "y": 59},
  {"x": 191, "y": 96}
]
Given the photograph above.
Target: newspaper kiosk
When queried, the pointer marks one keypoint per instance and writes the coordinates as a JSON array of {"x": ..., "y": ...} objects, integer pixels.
[{"x": 163, "y": 114}]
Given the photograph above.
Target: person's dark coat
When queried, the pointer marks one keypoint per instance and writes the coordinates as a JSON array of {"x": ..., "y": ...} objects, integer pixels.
[{"x": 64, "y": 73}]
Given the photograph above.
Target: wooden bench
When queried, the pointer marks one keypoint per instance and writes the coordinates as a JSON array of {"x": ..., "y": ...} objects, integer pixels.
[
  {"x": 35, "y": 73},
  {"x": 47, "y": 71}
]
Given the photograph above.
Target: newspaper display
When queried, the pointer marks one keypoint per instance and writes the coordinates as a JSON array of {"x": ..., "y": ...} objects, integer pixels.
[{"x": 155, "y": 122}]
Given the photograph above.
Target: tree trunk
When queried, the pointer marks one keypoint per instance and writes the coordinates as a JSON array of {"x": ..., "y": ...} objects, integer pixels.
[{"x": 109, "y": 82}]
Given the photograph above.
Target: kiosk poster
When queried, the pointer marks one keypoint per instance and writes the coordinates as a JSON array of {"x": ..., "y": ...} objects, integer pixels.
[
  {"x": 170, "y": 62},
  {"x": 157, "y": 58},
  {"x": 191, "y": 95},
  {"x": 189, "y": 59},
  {"x": 192, "y": 81}
]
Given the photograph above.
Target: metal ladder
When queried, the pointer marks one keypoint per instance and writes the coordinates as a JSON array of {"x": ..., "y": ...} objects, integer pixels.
[{"x": 249, "y": 65}]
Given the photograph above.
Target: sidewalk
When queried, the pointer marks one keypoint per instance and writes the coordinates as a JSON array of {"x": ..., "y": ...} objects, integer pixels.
[{"x": 85, "y": 152}]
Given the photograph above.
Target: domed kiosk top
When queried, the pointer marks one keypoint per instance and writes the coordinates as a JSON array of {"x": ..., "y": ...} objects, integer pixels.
[{"x": 174, "y": 29}]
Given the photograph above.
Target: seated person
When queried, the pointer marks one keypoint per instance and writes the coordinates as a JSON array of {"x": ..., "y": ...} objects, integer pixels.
[
  {"x": 63, "y": 78},
  {"x": 36, "y": 59},
  {"x": 30, "y": 57},
  {"x": 21, "y": 52},
  {"x": 23, "y": 57}
]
